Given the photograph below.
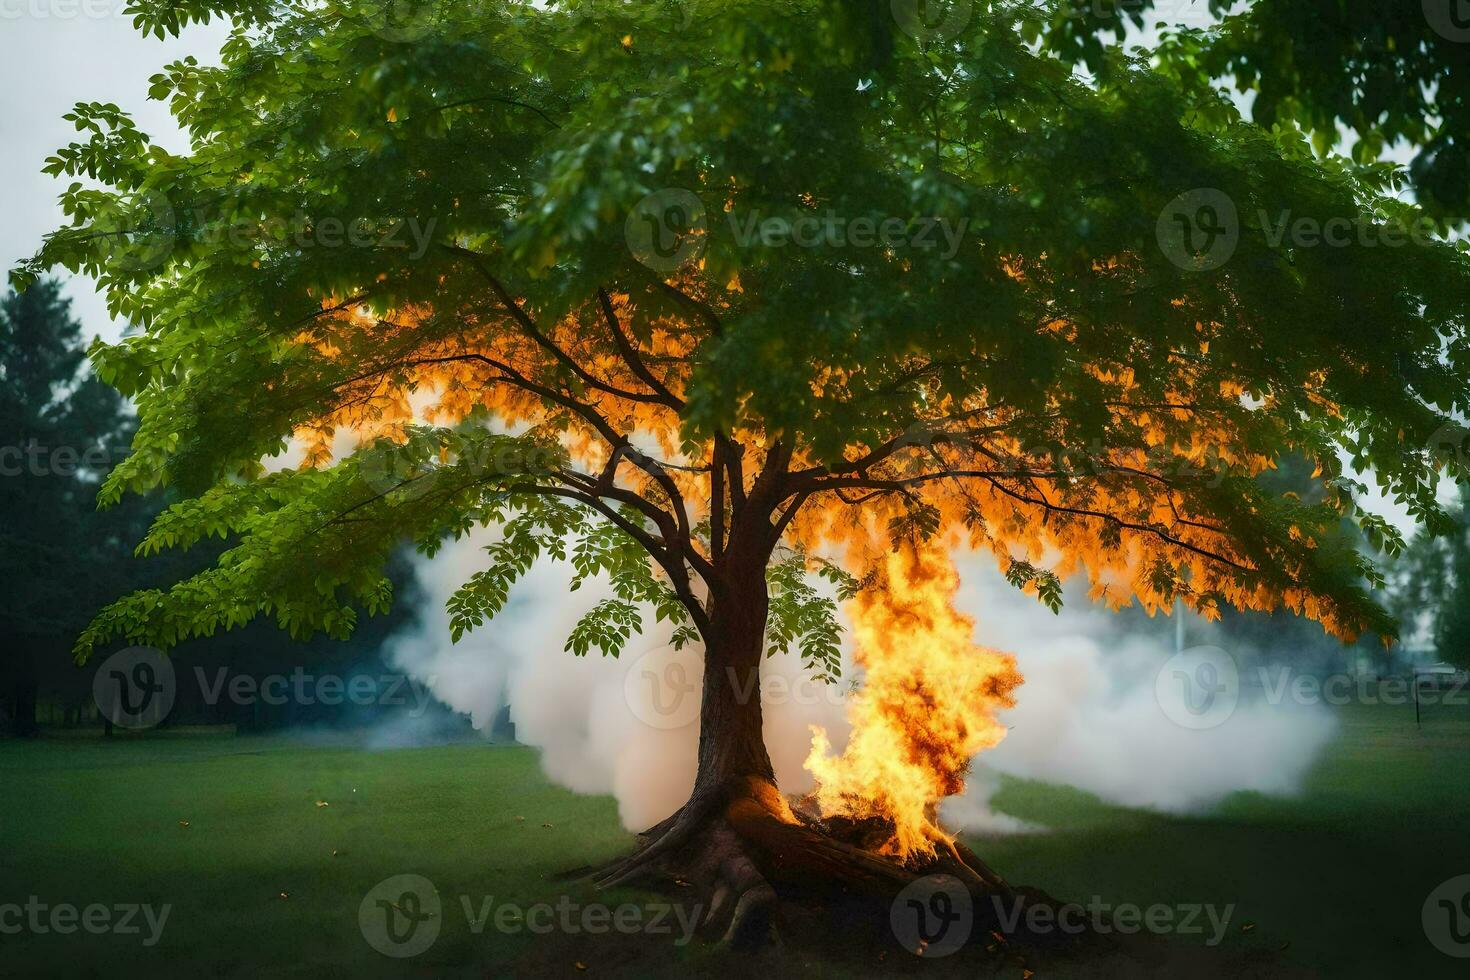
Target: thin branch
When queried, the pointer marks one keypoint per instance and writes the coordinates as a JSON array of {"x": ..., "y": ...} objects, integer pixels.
[
  {"x": 1126, "y": 525},
  {"x": 528, "y": 326},
  {"x": 668, "y": 560},
  {"x": 630, "y": 353}
]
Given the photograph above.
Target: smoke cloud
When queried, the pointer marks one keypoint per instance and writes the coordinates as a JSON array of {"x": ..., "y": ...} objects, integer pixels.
[{"x": 1088, "y": 716}]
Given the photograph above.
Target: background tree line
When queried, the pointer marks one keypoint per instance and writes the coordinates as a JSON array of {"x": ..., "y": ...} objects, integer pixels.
[{"x": 62, "y": 558}]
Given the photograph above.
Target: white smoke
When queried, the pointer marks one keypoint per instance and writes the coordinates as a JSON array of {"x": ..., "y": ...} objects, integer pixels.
[
  {"x": 1087, "y": 716},
  {"x": 626, "y": 726},
  {"x": 1091, "y": 716}
]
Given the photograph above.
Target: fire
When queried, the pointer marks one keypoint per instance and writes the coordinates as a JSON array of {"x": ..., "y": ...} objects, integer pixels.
[{"x": 928, "y": 704}]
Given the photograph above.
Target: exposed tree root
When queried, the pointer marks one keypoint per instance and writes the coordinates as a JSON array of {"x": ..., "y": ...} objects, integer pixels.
[{"x": 757, "y": 863}]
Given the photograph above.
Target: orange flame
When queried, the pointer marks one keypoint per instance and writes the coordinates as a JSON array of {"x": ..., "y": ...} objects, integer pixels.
[{"x": 927, "y": 707}]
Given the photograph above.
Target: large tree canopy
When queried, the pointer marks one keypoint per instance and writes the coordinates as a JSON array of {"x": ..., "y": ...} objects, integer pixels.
[{"x": 429, "y": 226}]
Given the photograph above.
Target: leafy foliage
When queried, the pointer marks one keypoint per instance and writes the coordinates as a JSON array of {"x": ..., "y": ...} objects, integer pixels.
[
  {"x": 803, "y": 616},
  {"x": 402, "y": 247},
  {"x": 1388, "y": 72}
]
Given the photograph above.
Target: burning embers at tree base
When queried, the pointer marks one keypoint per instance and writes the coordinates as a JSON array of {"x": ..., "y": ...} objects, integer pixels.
[{"x": 928, "y": 705}]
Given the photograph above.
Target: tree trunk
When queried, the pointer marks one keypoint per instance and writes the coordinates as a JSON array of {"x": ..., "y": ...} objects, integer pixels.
[
  {"x": 25, "y": 693},
  {"x": 732, "y": 748}
]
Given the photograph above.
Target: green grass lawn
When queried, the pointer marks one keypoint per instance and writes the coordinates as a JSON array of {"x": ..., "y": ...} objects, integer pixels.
[{"x": 265, "y": 881}]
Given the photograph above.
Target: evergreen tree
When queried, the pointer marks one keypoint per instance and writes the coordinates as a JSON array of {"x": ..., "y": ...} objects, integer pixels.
[
  {"x": 61, "y": 430},
  {"x": 1452, "y": 619}
]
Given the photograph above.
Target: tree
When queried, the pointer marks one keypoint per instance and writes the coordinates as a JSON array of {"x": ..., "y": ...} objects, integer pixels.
[
  {"x": 63, "y": 429},
  {"x": 1452, "y": 614},
  {"x": 1387, "y": 72},
  {"x": 702, "y": 296}
]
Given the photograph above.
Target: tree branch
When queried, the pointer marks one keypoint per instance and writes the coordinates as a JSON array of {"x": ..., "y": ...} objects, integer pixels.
[
  {"x": 528, "y": 326},
  {"x": 630, "y": 353}
]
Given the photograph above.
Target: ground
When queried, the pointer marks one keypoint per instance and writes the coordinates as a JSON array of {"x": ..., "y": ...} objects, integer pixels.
[{"x": 1327, "y": 884}]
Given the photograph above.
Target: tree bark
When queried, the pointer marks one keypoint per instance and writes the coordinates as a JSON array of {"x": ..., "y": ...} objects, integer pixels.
[{"x": 732, "y": 748}]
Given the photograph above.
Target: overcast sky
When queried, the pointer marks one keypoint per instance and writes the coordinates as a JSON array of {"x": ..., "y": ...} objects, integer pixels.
[{"x": 55, "y": 53}]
